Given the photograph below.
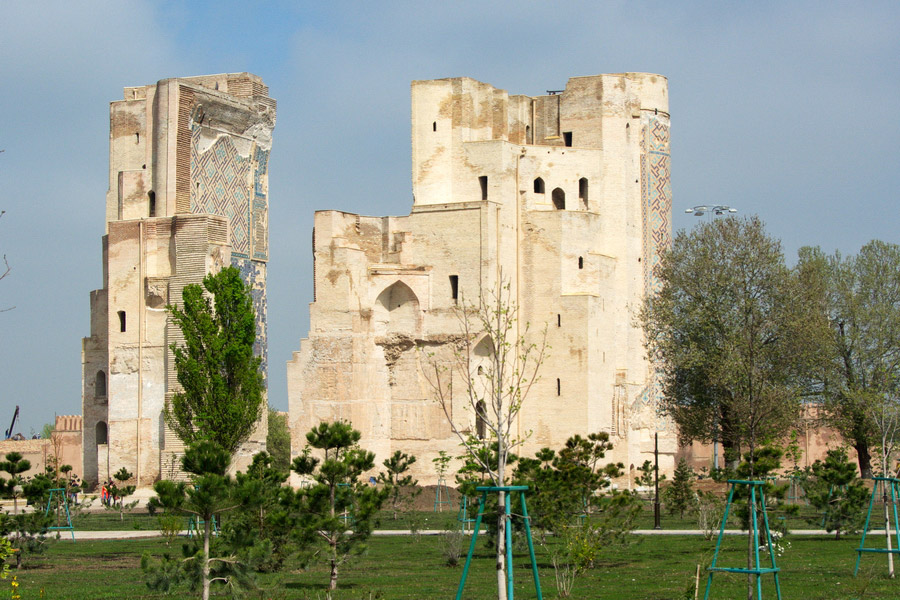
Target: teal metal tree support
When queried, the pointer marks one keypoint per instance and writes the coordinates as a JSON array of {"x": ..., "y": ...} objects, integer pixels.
[
  {"x": 885, "y": 482},
  {"x": 527, "y": 520},
  {"x": 197, "y": 524},
  {"x": 61, "y": 498},
  {"x": 442, "y": 496},
  {"x": 756, "y": 496},
  {"x": 463, "y": 517}
]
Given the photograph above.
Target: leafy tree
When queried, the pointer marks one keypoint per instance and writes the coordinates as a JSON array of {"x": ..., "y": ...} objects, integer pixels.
[
  {"x": 860, "y": 362},
  {"x": 210, "y": 493},
  {"x": 498, "y": 360},
  {"x": 680, "y": 497},
  {"x": 835, "y": 489},
  {"x": 278, "y": 441},
  {"x": 396, "y": 478},
  {"x": 222, "y": 397},
  {"x": 15, "y": 465},
  {"x": 733, "y": 333},
  {"x": 339, "y": 509}
]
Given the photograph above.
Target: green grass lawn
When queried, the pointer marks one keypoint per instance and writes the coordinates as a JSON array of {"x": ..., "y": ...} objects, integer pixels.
[{"x": 411, "y": 567}]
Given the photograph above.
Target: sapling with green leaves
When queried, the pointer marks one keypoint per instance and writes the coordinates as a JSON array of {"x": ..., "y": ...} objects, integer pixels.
[
  {"x": 338, "y": 510},
  {"x": 835, "y": 489},
  {"x": 397, "y": 479},
  {"x": 680, "y": 497},
  {"x": 209, "y": 494},
  {"x": 15, "y": 465},
  {"x": 118, "y": 491}
]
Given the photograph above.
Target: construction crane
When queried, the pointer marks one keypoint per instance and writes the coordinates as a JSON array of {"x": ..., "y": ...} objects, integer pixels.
[{"x": 12, "y": 425}]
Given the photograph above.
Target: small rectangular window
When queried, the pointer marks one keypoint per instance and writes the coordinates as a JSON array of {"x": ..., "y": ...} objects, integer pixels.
[
  {"x": 454, "y": 288},
  {"x": 483, "y": 181},
  {"x": 567, "y": 137},
  {"x": 559, "y": 320},
  {"x": 122, "y": 321}
]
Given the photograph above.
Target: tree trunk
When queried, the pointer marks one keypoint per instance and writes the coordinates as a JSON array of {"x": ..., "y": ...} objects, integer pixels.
[
  {"x": 206, "y": 534},
  {"x": 332, "y": 583},
  {"x": 865, "y": 459}
]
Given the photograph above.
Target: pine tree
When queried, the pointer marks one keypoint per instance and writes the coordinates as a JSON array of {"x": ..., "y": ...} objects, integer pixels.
[{"x": 680, "y": 496}]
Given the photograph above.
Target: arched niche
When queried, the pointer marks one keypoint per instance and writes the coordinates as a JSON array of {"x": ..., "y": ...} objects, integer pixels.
[
  {"x": 397, "y": 310},
  {"x": 102, "y": 436},
  {"x": 559, "y": 199},
  {"x": 100, "y": 385}
]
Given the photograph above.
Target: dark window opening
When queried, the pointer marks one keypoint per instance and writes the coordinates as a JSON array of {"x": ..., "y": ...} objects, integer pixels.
[
  {"x": 580, "y": 262},
  {"x": 538, "y": 186},
  {"x": 528, "y": 134},
  {"x": 558, "y": 387},
  {"x": 101, "y": 433},
  {"x": 137, "y": 138},
  {"x": 559, "y": 199},
  {"x": 454, "y": 287},
  {"x": 479, "y": 419},
  {"x": 100, "y": 384},
  {"x": 583, "y": 190},
  {"x": 483, "y": 181},
  {"x": 152, "y": 195},
  {"x": 434, "y": 126},
  {"x": 122, "y": 320},
  {"x": 567, "y": 137},
  {"x": 559, "y": 320}
]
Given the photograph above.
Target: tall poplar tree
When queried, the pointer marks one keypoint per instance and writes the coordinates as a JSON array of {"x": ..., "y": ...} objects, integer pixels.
[{"x": 221, "y": 398}]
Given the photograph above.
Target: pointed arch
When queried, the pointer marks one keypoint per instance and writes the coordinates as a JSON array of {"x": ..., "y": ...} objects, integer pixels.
[
  {"x": 101, "y": 433},
  {"x": 397, "y": 310}
]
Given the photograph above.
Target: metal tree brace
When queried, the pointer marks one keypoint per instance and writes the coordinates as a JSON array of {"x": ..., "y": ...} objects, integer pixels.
[
  {"x": 885, "y": 481},
  {"x": 754, "y": 531},
  {"x": 509, "y": 571}
]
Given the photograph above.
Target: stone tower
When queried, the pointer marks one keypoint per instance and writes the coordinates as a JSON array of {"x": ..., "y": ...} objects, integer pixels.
[
  {"x": 188, "y": 195},
  {"x": 568, "y": 196}
]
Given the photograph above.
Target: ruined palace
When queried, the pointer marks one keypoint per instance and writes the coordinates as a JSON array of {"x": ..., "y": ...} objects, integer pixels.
[
  {"x": 188, "y": 194},
  {"x": 568, "y": 196}
]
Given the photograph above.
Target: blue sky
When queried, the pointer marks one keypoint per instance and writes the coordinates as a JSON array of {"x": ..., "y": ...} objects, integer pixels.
[{"x": 788, "y": 110}]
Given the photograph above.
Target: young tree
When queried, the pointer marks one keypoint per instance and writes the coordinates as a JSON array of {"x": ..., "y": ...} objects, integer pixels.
[
  {"x": 339, "y": 510},
  {"x": 278, "y": 441},
  {"x": 835, "y": 489},
  {"x": 733, "y": 333},
  {"x": 15, "y": 465},
  {"x": 680, "y": 496},
  {"x": 118, "y": 491},
  {"x": 222, "y": 397},
  {"x": 210, "y": 493},
  {"x": 498, "y": 362},
  {"x": 396, "y": 478}
]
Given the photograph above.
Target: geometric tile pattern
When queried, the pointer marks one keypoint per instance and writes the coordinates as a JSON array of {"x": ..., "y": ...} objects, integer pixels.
[
  {"x": 219, "y": 182},
  {"x": 656, "y": 214},
  {"x": 656, "y": 198}
]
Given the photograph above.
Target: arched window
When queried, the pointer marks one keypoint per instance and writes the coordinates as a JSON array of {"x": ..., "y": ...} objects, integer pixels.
[
  {"x": 397, "y": 310},
  {"x": 434, "y": 126},
  {"x": 583, "y": 190},
  {"x": 100, "y": 384},
  {"x": 538, "y": 186},
  {"x": 122, "y": 321},
  {"x": 559, "y": 199},
  {"x": 102, "y": 437}
]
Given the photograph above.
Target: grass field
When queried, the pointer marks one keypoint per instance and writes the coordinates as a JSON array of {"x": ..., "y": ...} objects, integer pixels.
[{"x": 413, "y": 567}]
